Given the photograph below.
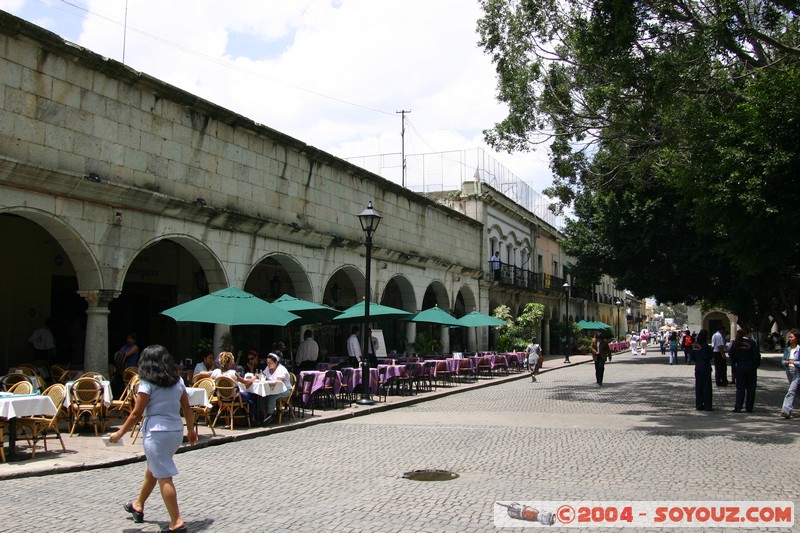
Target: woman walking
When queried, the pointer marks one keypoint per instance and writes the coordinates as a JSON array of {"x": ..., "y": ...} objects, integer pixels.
[
  {"x": 160, "y": 397},
  {"x": 702, "y": 356},
  {"x": 791, "y": 362},
  {"x": 673, "y": 348}
]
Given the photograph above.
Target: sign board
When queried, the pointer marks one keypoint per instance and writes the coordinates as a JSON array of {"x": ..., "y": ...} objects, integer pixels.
[{"x": 380, "y": 350}]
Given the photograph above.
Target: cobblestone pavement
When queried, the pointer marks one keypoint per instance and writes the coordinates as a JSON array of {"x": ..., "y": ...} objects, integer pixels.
[{"x": 562, "y": 438}]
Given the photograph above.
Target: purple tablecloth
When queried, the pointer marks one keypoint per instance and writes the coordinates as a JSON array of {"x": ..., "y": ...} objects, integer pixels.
[
  {"x": 355, "y": 380},
  {"x": 308, "y": 388}
]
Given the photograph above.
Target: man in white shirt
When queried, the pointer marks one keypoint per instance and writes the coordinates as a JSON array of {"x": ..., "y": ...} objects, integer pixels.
[
  {"x": 307, "y": 352},
  {"x": 495, "y": 262},
  {"x": 43, "y": 342},
  {"x": 354, "y": 346},
  {"x": 720, "y": 365}
]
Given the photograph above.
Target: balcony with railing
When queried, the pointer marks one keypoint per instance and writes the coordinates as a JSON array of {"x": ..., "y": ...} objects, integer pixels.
[{"x": 525, "y": 279}]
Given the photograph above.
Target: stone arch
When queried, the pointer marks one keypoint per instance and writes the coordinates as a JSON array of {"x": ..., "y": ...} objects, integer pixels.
[
  {"x": 84, "y": 261},
  {"x": 435, "y": 294},
  {"x": 269, "y": 269},
  {"x": 215, "y": 275},
  {"x": 399, "y": 292},
  {"x": 350, "y": 281}
]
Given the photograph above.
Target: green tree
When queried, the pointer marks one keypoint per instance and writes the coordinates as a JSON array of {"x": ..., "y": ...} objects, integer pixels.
[
  {"x": 517, "y": 333},
  {"x": 673, "y": 130}
]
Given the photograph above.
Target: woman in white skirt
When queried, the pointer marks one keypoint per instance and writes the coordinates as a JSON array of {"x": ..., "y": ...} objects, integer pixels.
[{"x": 159, "y": 399}]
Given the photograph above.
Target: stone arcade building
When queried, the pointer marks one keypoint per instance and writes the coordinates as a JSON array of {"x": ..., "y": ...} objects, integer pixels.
[{"x": 121, "y": 196}]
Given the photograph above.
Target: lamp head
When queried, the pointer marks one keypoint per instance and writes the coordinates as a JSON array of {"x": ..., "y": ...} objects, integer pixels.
[{"x": 369, "y": 219}]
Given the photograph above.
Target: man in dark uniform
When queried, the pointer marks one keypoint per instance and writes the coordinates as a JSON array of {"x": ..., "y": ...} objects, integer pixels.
[{"x": 747, "y": 358}]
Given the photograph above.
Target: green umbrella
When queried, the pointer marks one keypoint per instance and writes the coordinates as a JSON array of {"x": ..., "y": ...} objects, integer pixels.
[
  {"x": 309, "y": 312},
  {"x": 376, "y": 311},
  {"x": 233, "y": 307},
  {"x": 434, "y": 315},
  {"x": 477, "y": 319}
]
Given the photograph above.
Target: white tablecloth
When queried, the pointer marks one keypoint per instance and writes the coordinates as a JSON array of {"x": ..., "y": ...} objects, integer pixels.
[
  {"x": 262, "y": 388},
  {"x": 18, "y": 405},
  {"x": 107, "y": 396},
  {"x": 198, "y": 396}
]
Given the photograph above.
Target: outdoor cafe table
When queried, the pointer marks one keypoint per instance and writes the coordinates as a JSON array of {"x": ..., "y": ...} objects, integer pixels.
[
  {"x": 319, "y": 381},
  {"x": 13, "y": 406},
  {"x": 262, "y": 389},
  {"x": 198, "y": 396},
  {"x": 107, "y": 396},
  {"x": 355, "y": 381}
]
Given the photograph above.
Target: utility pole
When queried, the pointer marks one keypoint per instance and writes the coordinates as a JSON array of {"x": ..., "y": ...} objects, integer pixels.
[{"x": 403, "y": 142}]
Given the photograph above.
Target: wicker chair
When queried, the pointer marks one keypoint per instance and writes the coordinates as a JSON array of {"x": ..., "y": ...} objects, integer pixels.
[
  {"x": 87, "y": 400},
  {"x": 59, "y": 374},
  {"x": 22, "y": 387},
  {"x": 12, "y": 379},
  {"x": 40, "y": 425},
  {"x": 3, "y": 426},
  {"x": 26, "y": 369},
  {"x": 203, "y": 410},
  {"x": 229, "y": 401},
  {"x": 93, "y": 375},
  {"x": 284, "y": 405},
  {"x": 129, "y": 373},
  {"x": 124, "y": 404}
]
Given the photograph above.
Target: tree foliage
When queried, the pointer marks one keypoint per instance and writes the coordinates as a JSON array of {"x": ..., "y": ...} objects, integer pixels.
[
  {"x": 673, "y": 129},
  {"x": 517, "y": 333}
]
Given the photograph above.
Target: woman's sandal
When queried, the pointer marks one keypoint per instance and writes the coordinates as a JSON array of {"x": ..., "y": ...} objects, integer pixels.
[
  {"x": 181, "y": 529},
  {"x": 138, "y": 516}
]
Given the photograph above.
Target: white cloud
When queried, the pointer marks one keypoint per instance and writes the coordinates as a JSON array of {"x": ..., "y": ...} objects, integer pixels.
[{"x": 330, "y": 73}]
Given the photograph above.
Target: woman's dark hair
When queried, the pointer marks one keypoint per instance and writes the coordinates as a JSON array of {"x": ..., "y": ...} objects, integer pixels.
[
  {"x": 157, "y": 367},
  {"x": 702, "y": 337}
]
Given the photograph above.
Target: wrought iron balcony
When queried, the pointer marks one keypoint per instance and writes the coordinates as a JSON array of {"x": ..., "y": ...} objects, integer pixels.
[{"x": 526, "y": 279}]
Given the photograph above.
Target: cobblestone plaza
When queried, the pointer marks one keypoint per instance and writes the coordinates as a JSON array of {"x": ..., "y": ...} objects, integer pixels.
[{"x": 562, "y": 438}]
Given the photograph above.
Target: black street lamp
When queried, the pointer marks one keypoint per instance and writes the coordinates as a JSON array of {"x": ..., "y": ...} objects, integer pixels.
[
  {"x": 618, "y": 303},
  {"x": 566, "y": 288},
  {"x": 369, "y": 219}
]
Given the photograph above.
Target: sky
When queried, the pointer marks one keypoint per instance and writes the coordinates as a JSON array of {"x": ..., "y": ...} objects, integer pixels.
[{"x": 331, "y": 73}]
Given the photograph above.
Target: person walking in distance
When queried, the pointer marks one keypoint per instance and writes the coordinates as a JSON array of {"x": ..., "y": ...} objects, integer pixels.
[
  {"x": 160, "y": 398},
  {"x": 702, "y": 357},
  {"x": 534, "y": 353},
  {"x": 747, "y": 358},
  {"x": 791, "y": 362},
  {"x": 600, "y": 352},
  {"x": 720, "y": 365}
]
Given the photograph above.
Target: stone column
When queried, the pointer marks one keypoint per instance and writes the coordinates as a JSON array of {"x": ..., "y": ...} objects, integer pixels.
[
  {"x": 472, "y": 340},
  {"x": 411, "y": 335},
  {"x": 219, "y": 331},
  {"x": 444, "y": 337},
  {"x": 546, "y": 336},
  {"x": 96, "y": 356}
]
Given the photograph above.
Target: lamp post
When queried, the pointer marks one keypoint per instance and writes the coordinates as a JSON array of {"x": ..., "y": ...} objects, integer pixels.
[
  {"x": 369, "y": 219},
  {"x": 618, "y": 303},
  {"x": 566, "y": 288}
]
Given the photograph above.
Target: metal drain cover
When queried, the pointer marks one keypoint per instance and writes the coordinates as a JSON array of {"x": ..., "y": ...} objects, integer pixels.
[{"x": 430, "y": 475}]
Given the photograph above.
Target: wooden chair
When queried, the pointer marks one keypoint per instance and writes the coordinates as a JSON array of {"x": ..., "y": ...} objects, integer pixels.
[
  {"x": 21, "y": 387},
  {"x": 284, "y": 405},
  {"x": 384, "y": 383},
  {"x": 229, "y": 401},
  {"x": 203, "y": 410},
  {"x": 327, "y": 393},
  {"x": 40, "y": 425},
  {"x": 124, "y": 404},
  {"x": 345, "y": 394},
  {"x": 129, "y": 373},
  {"x": 484, "y": 367},
  {"x": 26, "y": 369},
  {"x": 58, "y": 374},
  {"x": 306, "y": 384},
  {"x": 3, "y": 426},
  {"x": 12, "y": 379},
  {"x": 92, "y": 375},
  {"x": 87, "y": 400}
]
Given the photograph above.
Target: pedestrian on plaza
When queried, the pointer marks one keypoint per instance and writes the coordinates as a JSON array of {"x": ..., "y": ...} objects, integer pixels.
[
  {"x": 643, "y": 342},
  {"x": 634, "y": 343},
  {"x": 160, "y": 398},
  {"x": 702, "y": 356},
  {"x": 495, "y": 263},
  {"x": 791, "y": 362},
  {"x": 720, "y": 366},
  {"x": 600, "y": 352},
  {"x": 747, "y": 358},
  {"x": 662, "y": 342},
  {"x": 307, "y": 352},
  {"x": 673, "y": 348},
  {"x": 687, "y": 346},
  {"x": 533, "y": 352}
]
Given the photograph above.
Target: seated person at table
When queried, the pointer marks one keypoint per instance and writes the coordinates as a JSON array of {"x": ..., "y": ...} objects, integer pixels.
[
  {"x": 204, "y": 368},
  {"x": 252, "y": 365},
  {"x": 226, "y": 368},
  {"x": 276, "y": 372},
  {"x": 307, "y": 352}
]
